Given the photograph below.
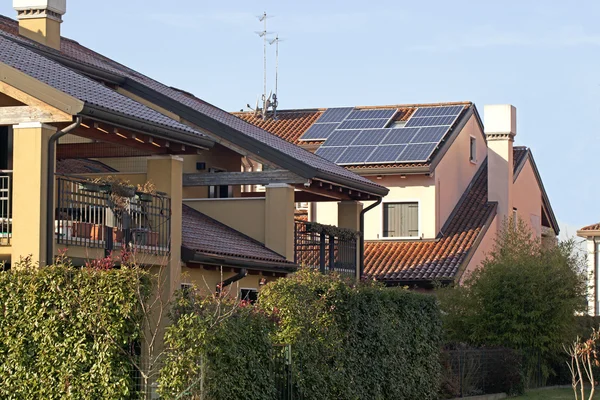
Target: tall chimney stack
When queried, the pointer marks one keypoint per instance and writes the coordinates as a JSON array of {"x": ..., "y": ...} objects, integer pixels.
[
  {"x": 40, "y": 20},
  {"x": 500, "y": 126}
]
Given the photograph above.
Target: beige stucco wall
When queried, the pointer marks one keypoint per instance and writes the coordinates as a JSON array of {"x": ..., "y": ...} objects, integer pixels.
[
  {"x": 455, "y": 171},
  {"x": 246, "y": 215},
  {"x": 527, "y": 199},
  {"x": 206, "y": 280},
  {"x": 484, "y": 248}
]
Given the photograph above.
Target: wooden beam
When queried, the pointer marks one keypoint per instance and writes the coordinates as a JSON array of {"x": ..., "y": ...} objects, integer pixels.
[
  {"x": 243, "y": 178},
  {"x": 13, "y": 115},
  {"x": 58, "y": 115}
]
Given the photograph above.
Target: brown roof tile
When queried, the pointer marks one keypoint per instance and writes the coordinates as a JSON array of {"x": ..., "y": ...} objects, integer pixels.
[
  {"x": 210, "y": 237},
  {"x": 409, "y": 261},
  {"x": 81, "y": 166},
  {"x": 289, "y": 125}
]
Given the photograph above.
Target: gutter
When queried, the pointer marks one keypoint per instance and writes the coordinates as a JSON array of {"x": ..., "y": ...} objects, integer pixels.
[
  {"x": 361, "y": 247},
  {"x": 192, "y": 256},
  {"x": 50, "y": 187},
  {"x": 391, "y": 171}
]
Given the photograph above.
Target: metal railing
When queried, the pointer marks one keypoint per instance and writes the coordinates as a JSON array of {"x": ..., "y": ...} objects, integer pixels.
[
  {"x": 315, "y": 247},
  {"x": 5, "y": 207},
  {"x": 91, "y": 216}
]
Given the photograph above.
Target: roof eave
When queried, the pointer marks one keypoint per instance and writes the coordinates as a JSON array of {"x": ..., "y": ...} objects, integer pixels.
[{"x": 270, "y": 266}]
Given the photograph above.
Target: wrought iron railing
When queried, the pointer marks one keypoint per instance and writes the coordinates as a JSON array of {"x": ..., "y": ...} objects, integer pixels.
[
  {"x": 89, "y": 215},
  {"x": 5, "y": 207},
  {"x": 326, "y": 248}
]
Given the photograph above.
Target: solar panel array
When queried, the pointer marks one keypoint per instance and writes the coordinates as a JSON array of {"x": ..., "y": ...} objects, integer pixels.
[{"x": 360, "y": 136}]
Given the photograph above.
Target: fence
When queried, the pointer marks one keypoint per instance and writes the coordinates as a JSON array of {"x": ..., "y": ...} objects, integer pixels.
[
  {"x": 316, "y": 248},
  {"x": 91, "y": 215},
  {"x": 5, "y": 207},
  {"x": 477, "y": 371}
]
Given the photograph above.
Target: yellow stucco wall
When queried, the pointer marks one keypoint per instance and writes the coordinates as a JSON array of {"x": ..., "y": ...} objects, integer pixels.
[
  {"x": 42, "y": 30},
  {"x": 206, "y": 280},
  {"x": 246, "y": 215}
]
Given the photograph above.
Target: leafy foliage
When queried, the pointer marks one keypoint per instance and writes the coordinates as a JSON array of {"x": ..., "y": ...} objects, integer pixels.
[
  {"x": 525, "y": 295},
  {"x": 356, "y": 342},
  {"x": 66, "y": 332},
  {"x": 217, "y": 349}
]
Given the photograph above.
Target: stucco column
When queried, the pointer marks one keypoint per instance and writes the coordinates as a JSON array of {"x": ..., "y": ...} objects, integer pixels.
[
  {"x": 166, "y": 172},
  {"x": 279, "y": 219},
  {"x": 29, "y": 199},
  {"x": 349, "y": 214}
]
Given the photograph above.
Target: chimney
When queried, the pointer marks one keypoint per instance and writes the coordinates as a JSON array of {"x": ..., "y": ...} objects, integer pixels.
[
  {"x": 500, "y": 127},
  {"x": 40, "y": 20}
]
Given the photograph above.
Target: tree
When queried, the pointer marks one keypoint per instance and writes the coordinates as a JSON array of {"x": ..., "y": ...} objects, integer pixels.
[{"x": 524, "y": 296}]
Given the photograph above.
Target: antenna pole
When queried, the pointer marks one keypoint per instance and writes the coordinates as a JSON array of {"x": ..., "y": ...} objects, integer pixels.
[
  {"x": 264, "y": 96},
  {"x": 275, "y": 99}
]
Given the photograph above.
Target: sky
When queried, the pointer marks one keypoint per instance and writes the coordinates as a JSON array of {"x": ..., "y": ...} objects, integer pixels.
[{"x": 541, "y": 56}]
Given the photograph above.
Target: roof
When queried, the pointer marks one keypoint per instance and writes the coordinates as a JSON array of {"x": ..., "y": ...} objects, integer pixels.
[
  {"x": 81, "y": 166},
  {"x": 414, "y": 261},
  {"x": 94, "y": 95},
  {"x": 209, "y": 237},
  {"x": 594, "y": 227},
  {"x": 205, "y": 116},
  {"x": 292, "y": 124}
]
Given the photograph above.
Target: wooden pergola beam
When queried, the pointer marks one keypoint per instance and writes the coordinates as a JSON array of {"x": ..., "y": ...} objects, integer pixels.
[
  {"x": 243, "y": 178},
  {"x": 12, "y": 115}
]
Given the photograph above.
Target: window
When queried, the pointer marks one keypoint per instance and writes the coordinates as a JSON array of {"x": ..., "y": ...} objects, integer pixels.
[
  {"x": 515, "y": 218},
  {"x": 250, "y": 295},
  {"x": 400, "y": 220},
  {"x": 473, "y": 150},
  {"x": 221, "y": 191}
]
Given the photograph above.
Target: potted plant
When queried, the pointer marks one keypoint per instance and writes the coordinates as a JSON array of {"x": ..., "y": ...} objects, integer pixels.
[{"x": 146, "y": 192}]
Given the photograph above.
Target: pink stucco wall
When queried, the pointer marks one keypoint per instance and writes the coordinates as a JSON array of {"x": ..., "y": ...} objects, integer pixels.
[
  {"x": 485, "y": 246},
  {"x": 527, "y": 198},
  {"x": 455, "y": 171}
]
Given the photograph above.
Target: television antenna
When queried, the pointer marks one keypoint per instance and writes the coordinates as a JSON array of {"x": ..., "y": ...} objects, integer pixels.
[{"x": 274, "y": 101}]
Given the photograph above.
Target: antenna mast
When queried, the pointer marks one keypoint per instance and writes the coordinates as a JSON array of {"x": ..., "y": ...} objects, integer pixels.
[
  {"x": 263, "y": 34},
  {"x": 275, "y": 98}
]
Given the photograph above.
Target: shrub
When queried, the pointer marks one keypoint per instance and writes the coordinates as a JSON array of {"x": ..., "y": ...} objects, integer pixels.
[
  {"x": 361, "y": 342},
  {"x": 66, "y": 332},
  {"x": 217, "y": 349},
  {"x": 525, "y": 296}
]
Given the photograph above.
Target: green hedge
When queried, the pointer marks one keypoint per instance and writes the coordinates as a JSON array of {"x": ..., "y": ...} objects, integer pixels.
[
  {"x": 356, "y": 342},
  {"x": 64, "y": 331},
  {"x": 217, "y": 349}
]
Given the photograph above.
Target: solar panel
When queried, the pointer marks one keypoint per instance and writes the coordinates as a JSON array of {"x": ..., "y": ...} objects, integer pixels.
[
  {"x": 386, "y": 153},
  {"x": 371, "y": 114},
  {"x": 319, "y": 131},
  {"x": 363, "y": 124},
  {"x": 371, "y": 137},
  {"x": 330, "y": 153},
  {"x": 335, "y": 114},
  {"x": 355, "y": 154},
  {"x": 430, "y": 121},
  {"x": 430, "y": 134},
  {"x": 437, "y": 111},
  {"x": 400, "y": 136},
  {"x": 417, "y": 152},
  {"x": 342, "y": 138}
]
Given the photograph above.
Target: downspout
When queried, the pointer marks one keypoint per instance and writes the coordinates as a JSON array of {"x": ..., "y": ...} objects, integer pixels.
[
  {"x": 50, "y": 188},
  {"x": 361, "y": 247},
  {"x": 240, "y": 275}
]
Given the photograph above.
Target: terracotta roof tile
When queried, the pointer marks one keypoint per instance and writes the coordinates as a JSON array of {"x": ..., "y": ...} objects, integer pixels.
[
  {"x": 289, "y": 125},
  {"x": 594, "y": 227},
  {"x": 409, "y": 261},
  {"x": 210, "y": 237}
]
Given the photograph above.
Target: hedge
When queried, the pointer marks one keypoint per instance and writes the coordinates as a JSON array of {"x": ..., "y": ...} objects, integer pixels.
[
  {"x": 217, "y": 349},
  {"x": 66, "y": 331},
  {"x": 356, "y": 342}
]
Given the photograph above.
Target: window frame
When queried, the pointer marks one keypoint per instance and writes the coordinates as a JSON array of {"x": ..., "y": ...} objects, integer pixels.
[
  {"x": 382, "y": 215},
  {"x": 250, "y": 289},
  {"x": 472, "y": 149}
]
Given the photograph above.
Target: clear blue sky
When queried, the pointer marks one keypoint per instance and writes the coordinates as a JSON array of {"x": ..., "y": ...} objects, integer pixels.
[{"x": 541, "y": 56}]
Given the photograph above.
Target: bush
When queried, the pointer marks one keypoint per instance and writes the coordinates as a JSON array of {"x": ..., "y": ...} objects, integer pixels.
[
  {"x": 66, "y": 332},
  {"x": 525, "y": 296},
  {"x": 217, "y": 349},
  {"x": 362, "y": 342}
]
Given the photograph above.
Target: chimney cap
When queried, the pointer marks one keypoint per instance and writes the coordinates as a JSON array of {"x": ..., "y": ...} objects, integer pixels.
[
  {"x": 500, "y": 119},
  {"x": 56, "y": 6}
]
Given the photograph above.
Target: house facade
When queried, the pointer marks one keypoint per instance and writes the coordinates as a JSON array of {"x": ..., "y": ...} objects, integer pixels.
[
  {"x": 453, "y": 179},
  {"x": 591, "y": 234},
  {"x": 97, "y": 157}
]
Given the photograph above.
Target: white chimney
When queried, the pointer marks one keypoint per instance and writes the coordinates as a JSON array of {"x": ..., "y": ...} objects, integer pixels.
[
  {"x": 40, "y": 20},
  {"x": 500, "y": 126}
]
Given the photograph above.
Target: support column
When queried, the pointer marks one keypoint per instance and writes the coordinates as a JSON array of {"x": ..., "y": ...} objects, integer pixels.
[
  {"x": 279, "y": 219},
  {"x": 349, "y": 214},
  {"x": 166, "y": 172},
  {"x": 29, "y": 198}
]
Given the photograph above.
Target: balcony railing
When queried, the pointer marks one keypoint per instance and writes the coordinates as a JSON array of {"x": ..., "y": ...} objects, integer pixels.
[
  {"x": 5, "y": 207},
  {"x": 88, "y": 215},
  {"x": 326, "y": 248}
]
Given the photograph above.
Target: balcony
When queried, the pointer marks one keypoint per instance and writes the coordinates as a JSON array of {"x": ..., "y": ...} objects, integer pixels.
[
  {"x": 94, "y": 216},
  {"x": 326, "y": 248}
]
